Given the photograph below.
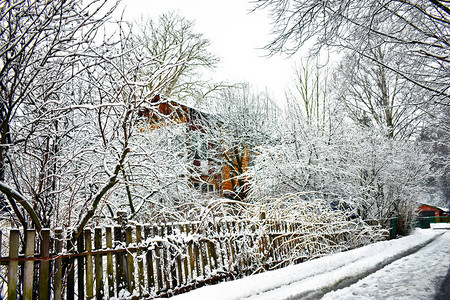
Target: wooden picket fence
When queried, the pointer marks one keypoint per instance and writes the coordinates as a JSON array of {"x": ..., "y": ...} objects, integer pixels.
[{"x": 143, "y": 261}]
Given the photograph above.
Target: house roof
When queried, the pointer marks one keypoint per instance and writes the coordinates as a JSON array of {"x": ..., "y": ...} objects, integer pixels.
[
  {"x": 433, "y": 206},
  {"x": 159, "y": 99}
]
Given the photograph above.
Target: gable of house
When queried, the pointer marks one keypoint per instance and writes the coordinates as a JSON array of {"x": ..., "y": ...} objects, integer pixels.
[
  {"x": 426, "y": 210},
  {"x": 206, "y": 173}
]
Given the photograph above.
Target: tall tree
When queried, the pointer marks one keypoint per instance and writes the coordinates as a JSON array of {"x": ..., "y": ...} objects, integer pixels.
[
  {"x": 40, "y": 43},
  {"x": 71, "y": 127},
  {"x": 420, "y": 29},
  {"x": 376, "y": 96},
  {"x": 173, "y": 36},
  {"x": 395, "y": 74},
  {"x": 325, "y": 156}
]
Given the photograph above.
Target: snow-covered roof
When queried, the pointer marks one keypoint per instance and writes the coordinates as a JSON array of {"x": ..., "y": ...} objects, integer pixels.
[
  {"x": 164, "y": 99},
  {"x": 431, "y": 205}
]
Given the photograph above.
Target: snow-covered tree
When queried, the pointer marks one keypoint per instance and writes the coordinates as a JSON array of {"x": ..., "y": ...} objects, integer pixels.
[
  {"x": 244, "y": 120},
  {"x": 73, "y": 148},
  {"x": 173, "y": 36},
  {"x": 42, "y": 44},
  {"x": 327, "y": 156},
  {"x": 377, "y": 177},
  {"x": 376, "y": 96},
  {"x": 417, "y": 29}
]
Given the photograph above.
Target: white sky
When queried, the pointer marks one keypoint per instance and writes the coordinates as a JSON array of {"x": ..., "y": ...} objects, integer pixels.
[{"x": 236, "y": 36}]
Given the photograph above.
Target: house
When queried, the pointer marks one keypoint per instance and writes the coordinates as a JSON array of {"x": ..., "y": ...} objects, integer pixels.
[
  {"x": 213, "y": 170},
  {"x": 426, "y": 210}
]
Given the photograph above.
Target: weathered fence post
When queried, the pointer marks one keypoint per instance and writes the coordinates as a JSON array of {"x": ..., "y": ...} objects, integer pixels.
[
  {"x": 13, "y": 263},
  {"x": 212, "y": 247},
  {"x": 149, "y": 259},
  {"x": 171, "y": 266},
  {"x": 140, "y": 262},
  {"x": 44, "y": 271},
  {"x": 197, "y": 258},
  {"x": 120, "y": 274},
  {"x": 158, "y": 259},
  {"x": 99, "y": 285},
  {"x": 177, "y": 265},
  {"x": 89, "y": 265},
  {"x": 80, "y": 249},
  {"x": 203, "y": 251},
  {"x": 109, "y": 263},
  {"x": 185, "y": 260},
  {"x": 165, "y": 262},
  {"x": 28, "y": 270},
  {"x": 221, "y": 242},
  {"x": 57, "y": 282},
  {"x": 129, "y": 260},
  {"x": 190, "y": 252},
  {"x": 70, "y": 267}
]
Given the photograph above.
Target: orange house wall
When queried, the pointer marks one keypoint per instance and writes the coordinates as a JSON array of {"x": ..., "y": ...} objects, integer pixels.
[
  {"x": 226, "y": 173},
  {"x": 437, "y": 212}
]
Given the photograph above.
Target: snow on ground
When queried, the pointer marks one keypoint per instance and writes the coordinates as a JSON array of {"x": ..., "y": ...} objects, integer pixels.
[
  {"x": 318, "y": 276},
  {"x": 416, "y": 276},
  {"x": 440, "y": 225}
]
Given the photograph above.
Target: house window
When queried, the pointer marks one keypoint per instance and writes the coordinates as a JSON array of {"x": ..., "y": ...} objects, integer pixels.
[
  {"x": 204, "y": 187},
  {"x": 199, "y": 145},
  {"x": 197, "y": 186}
]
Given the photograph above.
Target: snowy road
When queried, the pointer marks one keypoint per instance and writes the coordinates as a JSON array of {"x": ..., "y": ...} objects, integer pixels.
[
  {"x": 412, "y": 267},
  {"x": 416, "y": 276}
]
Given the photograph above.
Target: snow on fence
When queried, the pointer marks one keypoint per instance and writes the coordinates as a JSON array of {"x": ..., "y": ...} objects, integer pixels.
[{"x": 146, "y": 261}]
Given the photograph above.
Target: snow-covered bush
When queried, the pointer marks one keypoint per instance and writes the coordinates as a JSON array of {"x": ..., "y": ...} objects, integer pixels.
[
  {"x": 289, "y": 229},
  {"x": 379, "y": 177},
  {"x": 314, "y": 228}
]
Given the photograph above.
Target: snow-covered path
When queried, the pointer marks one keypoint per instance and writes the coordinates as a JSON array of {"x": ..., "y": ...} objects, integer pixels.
[
  {"x": 381, "y": 267},
  {"x": 416, "y": 276}
]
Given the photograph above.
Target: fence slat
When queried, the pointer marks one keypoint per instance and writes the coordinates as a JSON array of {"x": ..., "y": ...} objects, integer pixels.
[
  {"x": 58, "y": 265},
  {"x": 12, "y": 265},
  {"x": 70, "y": 268},
  {"x": 28, "y": 270},
  {"x": 89, "y": 265},
  {"x": 172, "y": 264},
  {"x": 164, "y": 253},
  {"x": 140, "y": 262},
  {"x": 149, "y": 260},
  {"x": 120, "y": 274},
  {"x": 99, "y": 285},
  {"x": 44, "y": 270},
  {"x": 220, "y": 241},
  {"x": 130, "y": 260},
  {"x": 80, "y": 259},
  {"x": 158, "y": 260},
  {"x": 109, "y": 263},
  {"x": 190, "y": 253},
  {"x": 185, "y": 260},
  {"x": 196, "y": 258}
]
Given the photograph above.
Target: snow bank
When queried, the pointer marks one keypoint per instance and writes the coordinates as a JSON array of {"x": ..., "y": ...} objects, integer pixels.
[
  {"x": 440, "y": 225},
  {"x": 316, "y": 276}
]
